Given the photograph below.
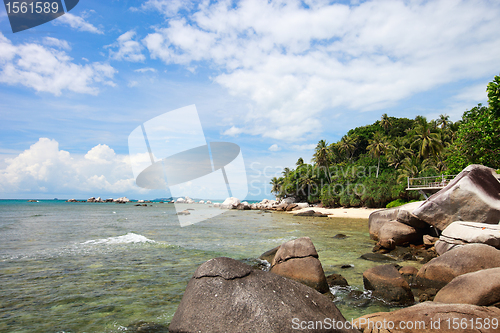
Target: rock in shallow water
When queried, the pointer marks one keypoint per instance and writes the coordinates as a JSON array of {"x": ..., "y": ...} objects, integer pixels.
[
  {"x": 388, "y": 284},
  {"x": 226, "y": 295}
]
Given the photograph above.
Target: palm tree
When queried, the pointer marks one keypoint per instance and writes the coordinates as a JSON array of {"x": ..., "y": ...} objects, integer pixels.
[
  {"x": 377, "y": 147},
  {"x": 397, "y": 152},
  {"x": 300, "y": 161},
  {"x": 443, "y": 121},
  {"x": 385, "y": 122},
  {"x": 276, "y": 185},
  {"x": 285, "y": 172},
  {"x": 428, "y": 143},
  {"x": 320, "y": 157},
  {"x": 308, "y": 181},
  {"x": 347, "y": 145},
  {"x": 412, "y": 167}
]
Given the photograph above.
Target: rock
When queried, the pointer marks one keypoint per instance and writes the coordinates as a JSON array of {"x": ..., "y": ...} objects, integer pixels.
[
  {"x": 301, "y": 205},
  {"x": 92, "y": 199},
  {"x": 225, "y": 295},
  {"x": 217, "y": 205},
  {"x": 474, "y": 195},
  {"x": 121, "y": 200},
  {"x": 290, "y": 207},
  {"x": 269, "y": 255},
  {"x": 208, "y": 202},
  {"x": 401, "y": 214},
  {"x": 289, "y": 200},
  {"x": 462, "y": 233},
  {"x": 230, "y": 203},
  {"x": 298, "y": 260},
  {"x": 181, "y": 200},
  {"x": 201, "y": 202},
  {"x": 394, "y": 233},
  {"x": 478, "y": 288},
  {"x": 408, "y": 273},
  {"x": 388, "y": 284},
  {"x": 377, "y": 257},
  {"x": 140, "y": 201},
  {"x": 71, "y": 200},
  {"x": 336, "y": 280},
  {"x": 305, "y": 213},
  {"x": 466, "y": 259},
  {"x": 144, "y": 327},
  {"x": 429, "y": 241},
  {"x": 340, "y": 236},
  {"x": 184, "y": 212},
  {"x": 425, "y": 318},
  {"x": 243, "y": 206}
]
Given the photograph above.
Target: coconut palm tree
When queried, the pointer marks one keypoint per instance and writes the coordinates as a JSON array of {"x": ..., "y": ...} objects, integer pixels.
[
  {"x": 377, "y": 147},
  {"x": 321, "y": 157},
  {"x": 276, "y": 185},
  {"x": 428, "y": 142},
  {"x": 443, "y": 121},
  {"x": 397, "y": 152},
  {"x": 385, "y": 121},
  {"x": 347, "y": 145},
  {"x": 412, "y": 167},
  {"x": 300, "y": 161}
]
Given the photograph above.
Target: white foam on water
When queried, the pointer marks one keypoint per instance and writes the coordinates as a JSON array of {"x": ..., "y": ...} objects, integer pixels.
[{"x": 125, "y": 239}]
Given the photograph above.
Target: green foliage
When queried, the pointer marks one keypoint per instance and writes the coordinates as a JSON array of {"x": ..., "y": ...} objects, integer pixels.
[
  {"x": 369, "y": 166},
  {"x": 395, "y": 203}
]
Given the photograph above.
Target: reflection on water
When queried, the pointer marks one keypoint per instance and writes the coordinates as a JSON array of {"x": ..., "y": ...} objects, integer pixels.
[{"x": 77, "y": 267}]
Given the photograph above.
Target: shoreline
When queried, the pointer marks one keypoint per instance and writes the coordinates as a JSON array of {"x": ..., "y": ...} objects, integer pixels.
[{"x": 353, "y": 213}]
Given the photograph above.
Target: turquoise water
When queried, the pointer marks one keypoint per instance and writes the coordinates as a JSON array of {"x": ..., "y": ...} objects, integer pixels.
[{"x": 88, "y": 267}]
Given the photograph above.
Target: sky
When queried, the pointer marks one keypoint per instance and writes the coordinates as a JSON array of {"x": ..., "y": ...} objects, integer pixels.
[{"x": 273, "y": 77}]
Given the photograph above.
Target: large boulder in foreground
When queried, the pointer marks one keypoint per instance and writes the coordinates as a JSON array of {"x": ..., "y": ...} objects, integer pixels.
[
  {"x": 466, "y": 259},
  {"x": 298, "y": 260},
  {"x": 402, "y": 214},
  {"x": 226, "y": 295},
  {"x": 474, "y": 195},
  {"x": 430, "y": 317},
  {"x": 478, "y": 288},
  {"x": 463, "y": 233},
  {"x": 388, "y": 284}
]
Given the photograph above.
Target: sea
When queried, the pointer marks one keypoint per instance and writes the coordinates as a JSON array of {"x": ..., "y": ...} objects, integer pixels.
[{"x": 107, "y": 267}]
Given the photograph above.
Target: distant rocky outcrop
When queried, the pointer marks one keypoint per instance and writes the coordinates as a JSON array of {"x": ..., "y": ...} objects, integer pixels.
[
  {"x": 226, "y": 295},
  {"x": 473, "y": 195},
  {"x": 298, "y": 260},
  {"x": 230, "y": 203}
]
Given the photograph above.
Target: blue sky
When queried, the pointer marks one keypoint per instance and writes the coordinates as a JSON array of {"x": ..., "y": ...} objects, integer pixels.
[{"x": 274, "y": 77}]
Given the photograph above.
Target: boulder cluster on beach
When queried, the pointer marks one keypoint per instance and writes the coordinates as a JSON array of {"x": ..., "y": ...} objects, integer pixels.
[{"x": 455, "y": 233}]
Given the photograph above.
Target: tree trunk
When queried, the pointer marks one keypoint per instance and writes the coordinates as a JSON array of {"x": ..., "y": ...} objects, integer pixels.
[{"x": 378, "y": 166}]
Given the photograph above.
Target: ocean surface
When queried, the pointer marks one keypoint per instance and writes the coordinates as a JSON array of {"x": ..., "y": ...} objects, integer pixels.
[{"x": 105, "y": 267}]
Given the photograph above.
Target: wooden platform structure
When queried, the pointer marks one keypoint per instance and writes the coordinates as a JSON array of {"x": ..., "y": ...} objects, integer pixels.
[{"x": 428, "y": 185}]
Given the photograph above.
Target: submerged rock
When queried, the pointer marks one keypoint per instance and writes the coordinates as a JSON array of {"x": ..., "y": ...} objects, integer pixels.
[
  {"x": 473, "y": 195},
  {"x": 377, "y": 257},
  {"x": 388, "y": 284},
  {"x": 478, "y": 288},
  {"x": 225, "y": 295},
  {"x": 336, "y": 280},
  {"x": 298, "y": 260}
]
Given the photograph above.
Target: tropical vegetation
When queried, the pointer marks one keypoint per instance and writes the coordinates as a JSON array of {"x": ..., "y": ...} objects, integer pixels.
[{"x": 371, "y": 165}]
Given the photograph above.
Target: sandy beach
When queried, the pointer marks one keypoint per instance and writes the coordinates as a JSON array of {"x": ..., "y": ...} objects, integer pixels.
[{"x": 355, "y": 213}]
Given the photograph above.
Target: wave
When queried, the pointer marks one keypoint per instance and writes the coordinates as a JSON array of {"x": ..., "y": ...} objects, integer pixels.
[{"x": 125, "y": 239}]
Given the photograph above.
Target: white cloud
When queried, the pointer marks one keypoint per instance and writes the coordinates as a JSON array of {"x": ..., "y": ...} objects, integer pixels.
[
  {"x": 274, "y": 147},
  {"x": 233, "y": 131},
  {"x": 77, "y": 23},
  {"x": 475, "y": 93},
  {"x": 132, "y": 84},
  {"x": 45, "y": 168},
  {"x": 128, "y": 49},
  {"x": 48, "y": 69},
  {"x": 62, "y": 44},
  {"x": 166, "y": 7},
  {"x": 294, "y": 63},
  {"x": 144, "y": 70}
]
